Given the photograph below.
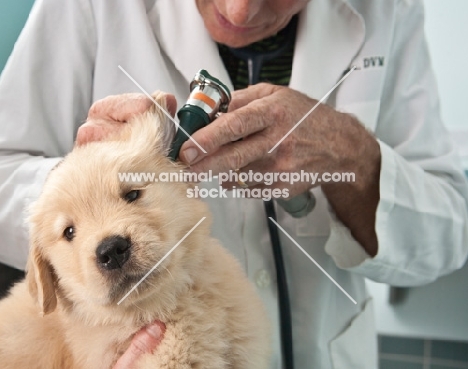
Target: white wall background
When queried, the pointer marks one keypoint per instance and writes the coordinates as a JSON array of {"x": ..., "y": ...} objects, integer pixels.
[{"x": 447, "y": 35}]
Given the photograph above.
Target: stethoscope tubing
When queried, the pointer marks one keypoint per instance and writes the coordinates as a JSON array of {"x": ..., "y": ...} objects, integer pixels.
[{"x": 254, "y": 64}]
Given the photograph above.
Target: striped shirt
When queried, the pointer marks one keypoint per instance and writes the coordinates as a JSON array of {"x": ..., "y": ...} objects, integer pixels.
[{"x": 276, "y": 71}]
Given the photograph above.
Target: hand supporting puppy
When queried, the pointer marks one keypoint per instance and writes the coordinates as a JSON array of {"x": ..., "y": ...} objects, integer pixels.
[
  {"x": 105, "y": 117},
  {"x": 145, "y": 341}
]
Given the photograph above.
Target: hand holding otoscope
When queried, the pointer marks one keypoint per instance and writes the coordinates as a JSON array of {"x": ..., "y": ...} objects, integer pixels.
[{"x": 208, "y": 97}]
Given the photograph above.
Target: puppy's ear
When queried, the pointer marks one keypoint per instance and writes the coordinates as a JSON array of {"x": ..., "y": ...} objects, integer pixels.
[
  {"x": 169, "y": 101},
  {"x": 166, "y": 126},
  {"x": 154, "y": 129},
  {"x": 41, "y": 280}
]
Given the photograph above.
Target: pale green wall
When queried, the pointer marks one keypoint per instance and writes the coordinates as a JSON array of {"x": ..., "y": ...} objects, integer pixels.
[{"x": 13, "y": 15}]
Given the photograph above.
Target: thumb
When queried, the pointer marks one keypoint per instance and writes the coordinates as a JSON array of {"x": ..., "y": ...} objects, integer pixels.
[{"x": 145, "y": 341}]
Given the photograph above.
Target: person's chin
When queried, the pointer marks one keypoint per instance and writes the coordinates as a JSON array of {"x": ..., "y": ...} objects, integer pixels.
[{"x": 224, "y": 32}]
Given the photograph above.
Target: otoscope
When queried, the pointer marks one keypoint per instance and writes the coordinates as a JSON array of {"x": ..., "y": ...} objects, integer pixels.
[{"x": 208, "y": 97}]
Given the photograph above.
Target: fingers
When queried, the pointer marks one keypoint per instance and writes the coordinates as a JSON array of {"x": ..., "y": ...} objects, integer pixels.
[
  {"x": 255, "y": 109},
  {"x": 97, "y": 130},
  {"x": 119, "y": 108},
  {"x": 235, "y": 155},
  {"x": 245, "y": 96},
  {"x": 107, "y": 116},
  {"x": 145, "y": 341},
  {"x": 227, "y": 128}
]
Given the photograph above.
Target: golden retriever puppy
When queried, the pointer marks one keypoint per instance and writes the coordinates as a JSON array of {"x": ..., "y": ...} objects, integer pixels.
[{"x": 93, "y": 237}]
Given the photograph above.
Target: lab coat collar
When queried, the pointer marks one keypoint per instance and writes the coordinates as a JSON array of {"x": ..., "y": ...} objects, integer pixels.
[
  {"x": 184, "y": 38},
  {"x": 330, "y": 34}
]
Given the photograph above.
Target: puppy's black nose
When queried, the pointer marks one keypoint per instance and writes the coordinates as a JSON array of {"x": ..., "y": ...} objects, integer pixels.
[{"x": 113, "y": 252}]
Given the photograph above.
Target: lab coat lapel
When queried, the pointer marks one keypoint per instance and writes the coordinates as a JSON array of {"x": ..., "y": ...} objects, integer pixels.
[
  {"x": 330, "y": 34},
  {"x": 186, "y": 42}
]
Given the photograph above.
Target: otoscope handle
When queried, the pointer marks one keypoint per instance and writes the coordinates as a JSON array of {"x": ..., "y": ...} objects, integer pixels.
[
  {"x": 208, "y": 97},
  {"x": 191, "y": 118}
]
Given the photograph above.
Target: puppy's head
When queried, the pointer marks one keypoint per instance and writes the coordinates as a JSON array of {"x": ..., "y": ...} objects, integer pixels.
[{"x": 96, "y": 233}]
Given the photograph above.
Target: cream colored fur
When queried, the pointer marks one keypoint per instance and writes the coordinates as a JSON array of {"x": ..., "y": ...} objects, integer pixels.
[{"x": 69, "y": 318}]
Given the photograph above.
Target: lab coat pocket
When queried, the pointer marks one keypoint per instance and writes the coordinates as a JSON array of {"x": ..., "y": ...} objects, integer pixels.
[
  {"x": 360, "y": 95},
  {"x": 356, "y": 347}
]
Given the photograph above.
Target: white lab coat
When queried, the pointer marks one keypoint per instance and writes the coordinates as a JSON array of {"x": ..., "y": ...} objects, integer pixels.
[{"x": 68, "y": 56}]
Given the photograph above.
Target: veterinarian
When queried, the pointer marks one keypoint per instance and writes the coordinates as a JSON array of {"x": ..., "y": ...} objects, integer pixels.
[{"x": 402, "y": 222}]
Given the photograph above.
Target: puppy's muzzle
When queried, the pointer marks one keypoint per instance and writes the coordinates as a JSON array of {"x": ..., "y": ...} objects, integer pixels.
[{"x": 113, "y": 252}]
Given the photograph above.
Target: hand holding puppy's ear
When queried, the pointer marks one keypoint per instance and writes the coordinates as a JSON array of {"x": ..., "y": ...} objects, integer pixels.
[{"x": 108, "y": 116}]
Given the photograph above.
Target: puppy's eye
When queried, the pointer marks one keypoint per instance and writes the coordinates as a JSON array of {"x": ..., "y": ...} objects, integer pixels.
[
  {"x": 69, "y": 233},
  {"x": 132, "y": 195}
]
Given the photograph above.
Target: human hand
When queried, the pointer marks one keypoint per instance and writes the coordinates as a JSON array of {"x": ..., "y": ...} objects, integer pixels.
[
  {"x": 107, "y": 116},
  {"x": 145, "y": 341},
  {"x": 326, "y": 141}
]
